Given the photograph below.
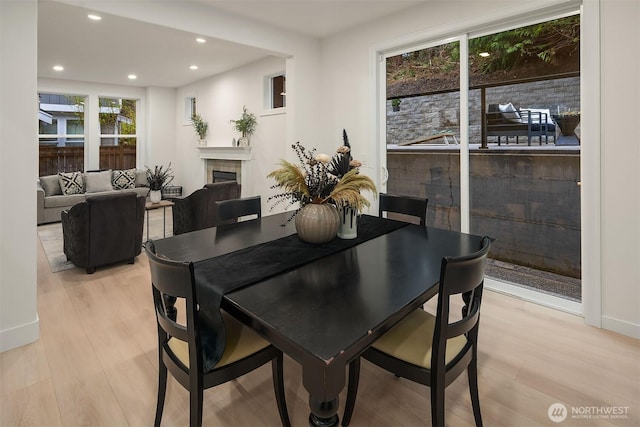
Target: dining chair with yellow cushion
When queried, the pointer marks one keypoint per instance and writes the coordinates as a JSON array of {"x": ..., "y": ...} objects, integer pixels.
[
  {"x": 407, "y": 206},
  {"x": 207, "y": 348},
  {"x": 434, "y": 350}
]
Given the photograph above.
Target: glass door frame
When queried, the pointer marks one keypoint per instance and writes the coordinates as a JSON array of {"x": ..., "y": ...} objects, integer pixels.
[{"x": 590, "y": 307}]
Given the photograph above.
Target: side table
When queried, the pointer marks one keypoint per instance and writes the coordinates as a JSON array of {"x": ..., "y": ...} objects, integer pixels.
[{"x": 164, "y": 204}]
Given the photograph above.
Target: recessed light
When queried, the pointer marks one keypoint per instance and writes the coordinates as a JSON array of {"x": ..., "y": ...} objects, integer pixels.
[
  {"x": 484, "y": 54},
  {"x": 94, "y": 17},
  {"x": 132, "y": 76},
  {"x": 58, "y": 67},
  {"x": 200, "y": 40},
  {"x": 193, "y": 67}
]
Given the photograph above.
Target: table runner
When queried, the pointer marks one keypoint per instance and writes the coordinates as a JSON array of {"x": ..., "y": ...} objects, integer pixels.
[{"x": 217, "y": 276}]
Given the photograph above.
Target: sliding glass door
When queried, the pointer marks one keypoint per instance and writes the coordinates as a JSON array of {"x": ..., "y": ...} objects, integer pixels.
[
  {"x": 505, "y": 159},
  {"x": 423, "y": 128}
]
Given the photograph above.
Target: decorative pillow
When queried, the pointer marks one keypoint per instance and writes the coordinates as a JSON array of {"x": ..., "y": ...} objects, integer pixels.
[
  {"x": 51, "y": 185},
  {"x": 71, "y": 182},
  {"x": 537, "y": 115},
  {"x": 509, "y": 112},
  {"x": 98, "y": 181},
  {"x": 141, "y": 178},
  {"x": 123, "y": 179}
]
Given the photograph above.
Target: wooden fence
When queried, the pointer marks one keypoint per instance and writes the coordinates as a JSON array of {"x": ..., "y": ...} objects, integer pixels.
[
  {"x": 54, "y": 159},
  {"x": 117, "y": 157}
]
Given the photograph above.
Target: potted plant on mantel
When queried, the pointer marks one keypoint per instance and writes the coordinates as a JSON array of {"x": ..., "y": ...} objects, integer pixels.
[
  {"x": 158, "y": 178},
  {"x": 246, "y": 125},
  {"x": 201, "y": 127}
]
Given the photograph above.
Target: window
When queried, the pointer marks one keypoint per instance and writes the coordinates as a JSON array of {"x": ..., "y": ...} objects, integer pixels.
[
  {"x": 190, "y": 109},
  {"x": 275, "y": 91},
  {"x": 117, "y": 133},
  {"x": 60, "y": 133}
]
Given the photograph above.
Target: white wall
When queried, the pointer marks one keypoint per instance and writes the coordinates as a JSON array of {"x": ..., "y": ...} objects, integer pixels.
[
  {"x": 349, "y": 99},
  {"x": 620, "y": 159},
  {"x": 220, "y": 99},
  {"x": 160, "y": 144},
  {"x": 18, "y": 172}
]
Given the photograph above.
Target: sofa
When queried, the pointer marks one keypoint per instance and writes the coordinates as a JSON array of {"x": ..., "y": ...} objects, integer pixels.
[
  {"x": 104, "y": 229},
  {"x": 56, "y": 193}
]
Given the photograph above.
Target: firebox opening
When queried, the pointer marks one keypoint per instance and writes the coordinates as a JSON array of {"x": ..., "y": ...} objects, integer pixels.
[{"x": 222, "y": 176}]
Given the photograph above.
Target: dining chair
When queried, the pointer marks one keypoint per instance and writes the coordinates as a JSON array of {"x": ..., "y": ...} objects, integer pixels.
[
  {"x": 185, "y": 349},
  {"x": 231, "y": 210},
  {"x": 405, "y": 205},
  {"x": 428, "y": 349}
]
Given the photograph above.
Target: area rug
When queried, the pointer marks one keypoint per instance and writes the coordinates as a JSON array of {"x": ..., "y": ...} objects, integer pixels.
[{"x": 50, "y": 236}]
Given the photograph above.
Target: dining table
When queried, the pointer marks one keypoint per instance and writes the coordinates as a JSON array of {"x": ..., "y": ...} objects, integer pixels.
[{"x": 321, "y": 304}]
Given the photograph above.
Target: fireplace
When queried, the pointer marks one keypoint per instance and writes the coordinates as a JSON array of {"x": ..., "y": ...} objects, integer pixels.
[{"x": 228, "y": 163}]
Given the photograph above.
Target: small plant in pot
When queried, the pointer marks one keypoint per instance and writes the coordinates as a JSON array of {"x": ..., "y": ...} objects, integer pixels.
[
  {"x": 246, "y": 125},
  {"x": 158, "y": 178},
  {"x": 395, "y": 104},
  {"x": 201, "y": 127}
]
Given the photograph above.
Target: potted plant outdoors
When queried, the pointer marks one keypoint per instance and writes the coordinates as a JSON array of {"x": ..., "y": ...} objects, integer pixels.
[
  {"x": 158, "y": 178},
  {"x": 246, "y": 125},
  {"x": 395, "y": 104},
  {"x": 201, "y": 127}
]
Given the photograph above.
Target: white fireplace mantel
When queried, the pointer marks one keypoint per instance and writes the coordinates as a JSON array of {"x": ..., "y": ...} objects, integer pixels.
[
  {"x": 225, "y": 153},
  {"x": 241, "y": 155}
]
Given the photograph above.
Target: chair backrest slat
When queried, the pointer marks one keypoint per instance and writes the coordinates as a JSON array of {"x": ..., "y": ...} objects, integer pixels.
[
  {"x": 171, "y": 327},
  {"x": 464, "y": 325},
  {"x": 406, "y": 205},
  {"x": 230, "y": 210}
]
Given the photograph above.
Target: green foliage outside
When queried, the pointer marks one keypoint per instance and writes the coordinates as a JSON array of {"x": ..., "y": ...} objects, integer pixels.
[
  {"x": 545, "y": 42},
  {"x": 125, "y": 108}
]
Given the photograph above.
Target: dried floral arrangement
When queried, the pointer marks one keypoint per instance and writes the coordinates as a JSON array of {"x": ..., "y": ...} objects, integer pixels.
[{"x": 321, "y": 178}]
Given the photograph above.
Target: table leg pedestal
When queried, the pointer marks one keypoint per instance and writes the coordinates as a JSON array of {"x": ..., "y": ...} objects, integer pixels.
[
  {"x": 324, "y": 385},
  {"x": 323, "y": 414}
]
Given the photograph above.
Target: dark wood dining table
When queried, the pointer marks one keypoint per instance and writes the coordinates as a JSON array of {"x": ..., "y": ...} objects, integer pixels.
[{"x": 326, "y": 311}]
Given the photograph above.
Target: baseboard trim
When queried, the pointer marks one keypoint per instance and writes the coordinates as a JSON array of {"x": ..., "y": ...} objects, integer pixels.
[
  {"x": 20, "y": 335},
  {"x": 621, "y": 326}
]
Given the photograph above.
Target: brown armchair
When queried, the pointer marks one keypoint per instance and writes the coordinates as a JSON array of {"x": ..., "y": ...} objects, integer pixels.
[
  {"x": 104, "y": 230},
  {"x": 199, "y": 210}
]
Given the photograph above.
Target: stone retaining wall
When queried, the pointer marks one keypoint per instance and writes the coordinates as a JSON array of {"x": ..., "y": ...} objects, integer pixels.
[
  {"x": 528, "y": 201},
  {"x": 421, "y": 116}
]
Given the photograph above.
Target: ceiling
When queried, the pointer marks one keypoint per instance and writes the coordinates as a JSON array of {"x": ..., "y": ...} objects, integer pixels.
[{"x": 107, "y": 51}]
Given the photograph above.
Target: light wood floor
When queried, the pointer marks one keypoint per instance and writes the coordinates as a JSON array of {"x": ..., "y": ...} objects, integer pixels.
[{"x": 95, "y": 365}]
